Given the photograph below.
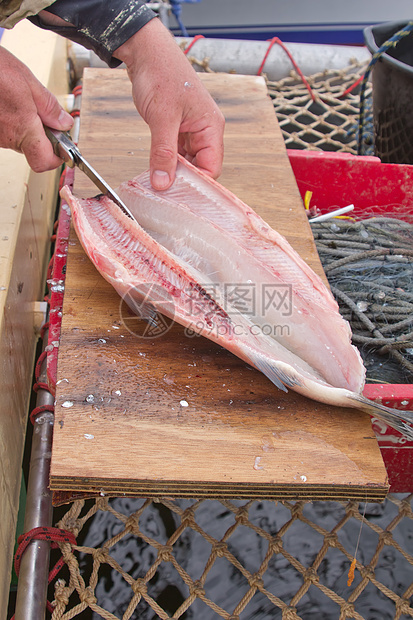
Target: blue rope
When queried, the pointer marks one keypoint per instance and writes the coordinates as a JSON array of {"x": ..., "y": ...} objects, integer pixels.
[
  {"x": 177, "y": 10},
  {"x": 392, "y": 42}
]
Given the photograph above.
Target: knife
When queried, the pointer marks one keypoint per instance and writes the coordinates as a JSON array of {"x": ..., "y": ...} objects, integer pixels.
[{"x": 68, "y": 151}]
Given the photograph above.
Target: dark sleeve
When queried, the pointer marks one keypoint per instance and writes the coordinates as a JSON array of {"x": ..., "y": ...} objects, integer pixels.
[{"x": 99, "y": 25}]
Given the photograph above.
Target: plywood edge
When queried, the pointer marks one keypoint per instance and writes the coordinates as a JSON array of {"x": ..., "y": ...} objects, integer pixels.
[
  {"x": 27, "y": 206},
  {"x": 171, "y": 488}
]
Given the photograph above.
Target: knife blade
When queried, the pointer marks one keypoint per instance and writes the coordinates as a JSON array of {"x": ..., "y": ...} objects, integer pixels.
[{"x": 68, "y": 151}]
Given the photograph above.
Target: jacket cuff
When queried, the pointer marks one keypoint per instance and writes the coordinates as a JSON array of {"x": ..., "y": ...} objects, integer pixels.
[{"x": 98, "y": 25}]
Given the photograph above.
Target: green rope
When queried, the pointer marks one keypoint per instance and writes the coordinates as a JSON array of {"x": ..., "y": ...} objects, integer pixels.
[{"x": 392, "y": 42}]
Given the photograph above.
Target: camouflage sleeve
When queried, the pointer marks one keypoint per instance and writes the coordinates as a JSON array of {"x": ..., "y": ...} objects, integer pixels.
[
  {"x": 13, "y": 11},
  {"x": 99, "y": 25}
]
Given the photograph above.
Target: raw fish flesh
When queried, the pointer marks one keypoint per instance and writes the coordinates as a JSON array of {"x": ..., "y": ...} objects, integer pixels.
[{"x": 198, "y": 252}]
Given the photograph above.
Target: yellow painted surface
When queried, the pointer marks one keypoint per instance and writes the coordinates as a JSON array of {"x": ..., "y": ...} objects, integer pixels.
[{"x": 27, "y": 205}]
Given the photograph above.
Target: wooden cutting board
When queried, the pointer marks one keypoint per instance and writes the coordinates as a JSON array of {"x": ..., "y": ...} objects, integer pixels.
[{"x": 176, "y": 414}]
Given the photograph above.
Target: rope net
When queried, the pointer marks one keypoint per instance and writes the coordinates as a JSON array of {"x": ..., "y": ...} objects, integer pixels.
[
  {"x": 369, "y": 265},
  {"x": 327, "y": 118},
  {"x": 320, "y": 112},
  {"x": 235, "y": 560},
  {"x": 238, "y": 560}
]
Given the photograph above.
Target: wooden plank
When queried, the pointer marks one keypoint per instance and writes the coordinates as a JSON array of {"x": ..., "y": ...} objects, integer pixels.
[
  {"x": 177, "y": 415},
  {"x": 27, "y": 205}
]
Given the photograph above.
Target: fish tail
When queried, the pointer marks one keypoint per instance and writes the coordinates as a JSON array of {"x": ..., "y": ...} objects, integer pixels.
[{"x": 401, "y": 421}]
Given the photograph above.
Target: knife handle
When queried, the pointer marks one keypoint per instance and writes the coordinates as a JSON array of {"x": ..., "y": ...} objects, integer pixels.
[{"x": 62, "y": 145}]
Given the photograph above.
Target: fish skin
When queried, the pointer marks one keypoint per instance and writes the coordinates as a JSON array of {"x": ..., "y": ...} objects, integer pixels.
[{"x": 197, "y": 226}]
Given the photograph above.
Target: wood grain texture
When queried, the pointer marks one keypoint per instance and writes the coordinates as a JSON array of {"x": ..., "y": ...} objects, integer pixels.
[{"x": 178, "y": 415}]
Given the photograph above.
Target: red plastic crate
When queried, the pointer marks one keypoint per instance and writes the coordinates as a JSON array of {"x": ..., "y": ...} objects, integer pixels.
[
  {"x": 340, "y": 179},
  {"x": 337, "y": 180}
]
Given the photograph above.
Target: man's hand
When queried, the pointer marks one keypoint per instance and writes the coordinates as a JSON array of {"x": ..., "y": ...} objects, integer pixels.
[
  {"x": 25, "y": 106},
  {"x": 173, "y": 101}
]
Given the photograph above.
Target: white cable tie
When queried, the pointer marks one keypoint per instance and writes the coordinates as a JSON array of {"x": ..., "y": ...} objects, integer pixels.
[{"x": 327, "y": 216}]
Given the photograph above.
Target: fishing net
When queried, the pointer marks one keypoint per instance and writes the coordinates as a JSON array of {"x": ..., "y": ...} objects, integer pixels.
[
  {"x": 209, "y": 559},
  {"x": 320, "y": 112},
  {"x": 369, "y": 265},
  {"x": 324, "y": 116}
]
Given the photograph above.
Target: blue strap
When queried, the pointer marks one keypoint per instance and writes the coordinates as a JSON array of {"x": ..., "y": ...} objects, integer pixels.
[
  {"x": 177, "y": 10},
  {"x": 392, "y": 42}
]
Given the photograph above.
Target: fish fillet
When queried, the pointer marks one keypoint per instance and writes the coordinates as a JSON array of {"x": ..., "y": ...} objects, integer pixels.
[{"x": 205, "y": 259}]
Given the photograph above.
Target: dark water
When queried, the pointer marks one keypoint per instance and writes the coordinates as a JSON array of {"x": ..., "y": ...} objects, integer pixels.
[{"x": 225, "y": 584}]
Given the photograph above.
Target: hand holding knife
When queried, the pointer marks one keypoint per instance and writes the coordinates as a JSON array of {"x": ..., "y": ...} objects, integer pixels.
[{"x": 68, "y": 151}]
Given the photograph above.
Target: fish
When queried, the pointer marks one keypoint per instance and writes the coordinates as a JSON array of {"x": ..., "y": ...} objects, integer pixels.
[{"x": 200, "y": 256}]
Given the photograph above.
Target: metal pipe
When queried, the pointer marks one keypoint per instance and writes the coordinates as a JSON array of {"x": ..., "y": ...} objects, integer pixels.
[
  {"x": 34, "y": 567},
  {"x": 239, "y": 56},
  {"x": 245, "y": 57}
]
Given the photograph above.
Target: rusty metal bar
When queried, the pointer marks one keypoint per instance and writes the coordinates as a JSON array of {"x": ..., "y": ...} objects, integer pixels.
[{"x": 34, "y": 568}]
